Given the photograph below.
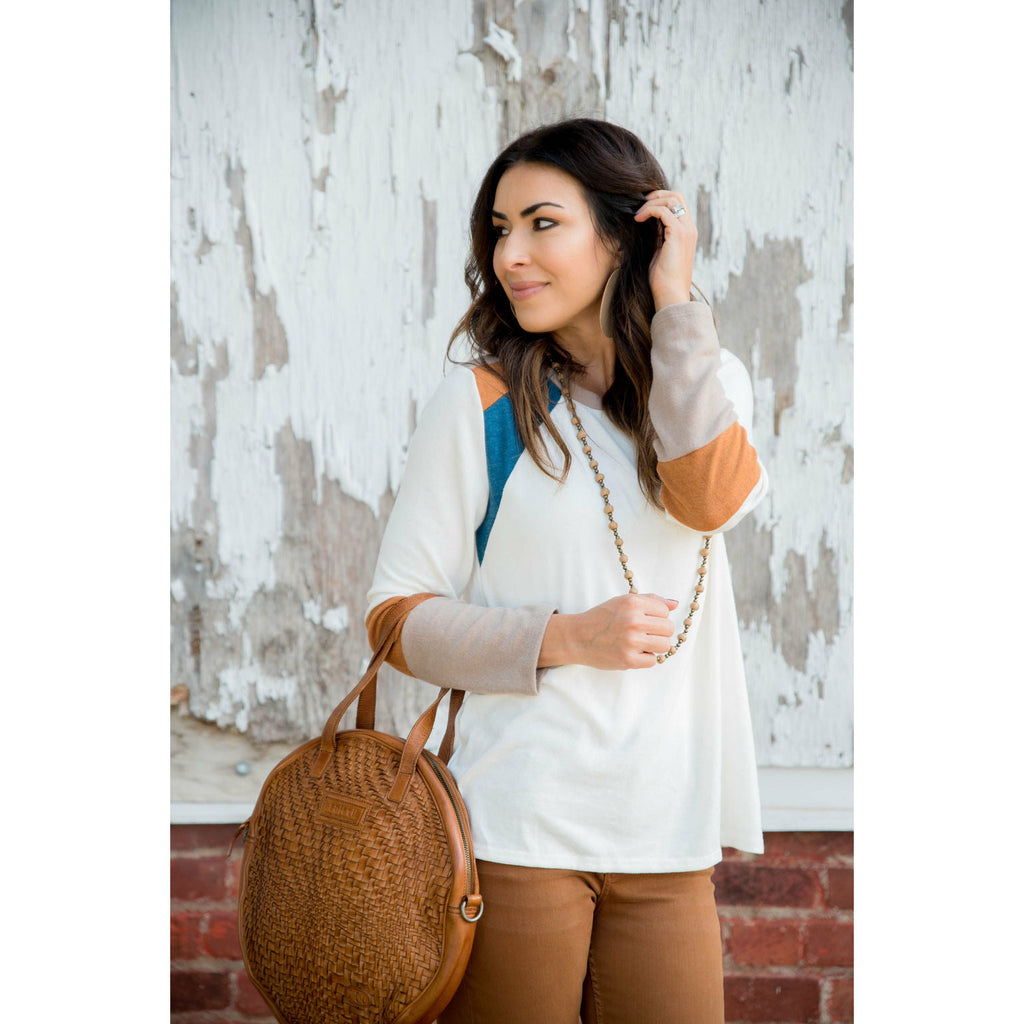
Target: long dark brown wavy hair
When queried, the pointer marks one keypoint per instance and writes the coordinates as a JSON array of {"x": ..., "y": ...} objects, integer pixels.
[{"x": 615, "y": 170}]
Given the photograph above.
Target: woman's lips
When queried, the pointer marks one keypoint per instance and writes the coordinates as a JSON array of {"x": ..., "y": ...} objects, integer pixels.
[{"x": 526, "y": 289}]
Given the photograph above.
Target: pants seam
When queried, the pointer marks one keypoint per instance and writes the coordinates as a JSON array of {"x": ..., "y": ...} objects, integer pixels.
[{"x": 595, "y": 992}]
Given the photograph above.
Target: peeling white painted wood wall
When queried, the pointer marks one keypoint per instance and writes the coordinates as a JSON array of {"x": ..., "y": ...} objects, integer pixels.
[{"x": 324, "y": 156}]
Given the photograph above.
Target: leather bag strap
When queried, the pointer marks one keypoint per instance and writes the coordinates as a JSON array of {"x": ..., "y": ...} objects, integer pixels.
[
  {"x": 366, "y": 690},
  {"x": 445, "y": 751},
  {"x": 392, "y": 622},
  {"x": 328, "y": 736},
  {"x": 414, "y": 744}
]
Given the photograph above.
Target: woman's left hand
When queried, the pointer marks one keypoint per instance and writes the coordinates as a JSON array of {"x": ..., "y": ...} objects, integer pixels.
[{"x": 671, "y": 271}]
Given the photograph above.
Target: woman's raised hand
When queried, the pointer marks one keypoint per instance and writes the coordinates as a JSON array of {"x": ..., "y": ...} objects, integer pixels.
[
  {"x": 671, "y": 270},
  {"x": 624, "y": 632}
]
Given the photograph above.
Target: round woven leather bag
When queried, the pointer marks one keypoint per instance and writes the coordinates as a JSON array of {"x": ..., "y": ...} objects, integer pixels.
[{"x": 358, "y": 895}]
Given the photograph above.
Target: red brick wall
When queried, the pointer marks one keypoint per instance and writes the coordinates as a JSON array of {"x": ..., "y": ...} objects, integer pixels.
[{"x": 787, "y": 930}]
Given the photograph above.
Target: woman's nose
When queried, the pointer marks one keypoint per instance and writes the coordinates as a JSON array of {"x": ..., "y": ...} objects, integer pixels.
[{"x": 514, "y": 251}]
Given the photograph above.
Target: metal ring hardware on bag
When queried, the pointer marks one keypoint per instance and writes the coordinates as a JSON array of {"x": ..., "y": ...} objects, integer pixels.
[
  {"x": 465, "y": 916},
  {"x": 609, "y": 511}
]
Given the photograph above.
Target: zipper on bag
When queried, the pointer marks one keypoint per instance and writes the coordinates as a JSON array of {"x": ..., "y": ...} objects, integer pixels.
[{"x": 435, "y": 767}]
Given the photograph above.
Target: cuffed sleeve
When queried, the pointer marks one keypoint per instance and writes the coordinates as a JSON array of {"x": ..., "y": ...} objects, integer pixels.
[
  {"x": 375, "y": 625},
  {"x": 710, "y": 473},
  {"x": 482, "y": 650}
]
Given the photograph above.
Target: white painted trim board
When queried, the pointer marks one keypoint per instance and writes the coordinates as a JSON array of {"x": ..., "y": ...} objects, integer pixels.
[{"x": 792, "y": 800}]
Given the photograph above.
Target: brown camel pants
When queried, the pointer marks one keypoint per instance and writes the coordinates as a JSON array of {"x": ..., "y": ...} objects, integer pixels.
[{"x": 555, "y": 947}]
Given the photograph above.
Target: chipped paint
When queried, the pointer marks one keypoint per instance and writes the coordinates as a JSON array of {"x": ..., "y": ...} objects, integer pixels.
[
  {"x": 758, "y": 133},
  {"x": 503, "y": 44},
  {"x": 318, "y": 232}
]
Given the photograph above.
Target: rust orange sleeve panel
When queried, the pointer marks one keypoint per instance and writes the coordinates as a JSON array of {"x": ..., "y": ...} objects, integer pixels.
[
  {"x": 490, "y": 385},
  {"x": 375, "y": 620},
  {"x": 703, "y": 489}
]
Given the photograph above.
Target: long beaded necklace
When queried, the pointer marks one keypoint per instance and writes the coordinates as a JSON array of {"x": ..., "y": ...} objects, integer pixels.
[{"x": 609, "y": 511}]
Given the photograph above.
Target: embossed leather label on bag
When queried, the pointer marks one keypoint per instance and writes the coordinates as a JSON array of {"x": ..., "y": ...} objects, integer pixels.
[{"x": 338, "y": 809}]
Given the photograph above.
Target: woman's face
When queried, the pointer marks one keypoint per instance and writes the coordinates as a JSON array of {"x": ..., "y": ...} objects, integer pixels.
[{"x": 547, "y": 256}]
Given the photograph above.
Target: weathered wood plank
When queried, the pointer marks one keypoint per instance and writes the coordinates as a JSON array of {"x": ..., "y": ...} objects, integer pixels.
[{"x": 324, "y": 157}]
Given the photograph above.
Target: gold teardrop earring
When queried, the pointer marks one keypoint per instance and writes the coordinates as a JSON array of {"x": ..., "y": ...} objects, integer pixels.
[{"x": 606, "y": 303}]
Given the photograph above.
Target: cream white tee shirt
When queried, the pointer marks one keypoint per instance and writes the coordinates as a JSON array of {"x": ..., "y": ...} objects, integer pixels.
[{"x": 643, "y": 770}]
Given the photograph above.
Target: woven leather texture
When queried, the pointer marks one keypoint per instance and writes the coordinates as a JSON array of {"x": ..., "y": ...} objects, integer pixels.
[{"x": 345, "y": 896}]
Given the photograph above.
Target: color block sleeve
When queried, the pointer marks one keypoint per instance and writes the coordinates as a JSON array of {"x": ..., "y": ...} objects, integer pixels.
[
  {"x": 428, "y": 553},
  {"x": 700, "y": 405}
]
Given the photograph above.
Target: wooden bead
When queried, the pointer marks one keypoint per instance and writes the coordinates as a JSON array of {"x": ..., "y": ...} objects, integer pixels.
[
  {"x": 704, "y": 552},
  {"x": 593, "y": 464},
  {"x": 587, "y": 449},
  {"x": 619, "y": 542},
  {"x": 623, "y": 558},
  {"x": 613, "y": 526},
  {"x": 609, "y": 509},
  {"x": 702, "y": 570},
  {"x": 581, "y": 434},
  {"x": 699, "y": 589},
  {"x": 605, "y": 492},
  {"x": 599, "y": 477},
  {"x": 629, "y": 576},
  {"x": 694, "y": 606},
  {"x": 688, "y": 622}
]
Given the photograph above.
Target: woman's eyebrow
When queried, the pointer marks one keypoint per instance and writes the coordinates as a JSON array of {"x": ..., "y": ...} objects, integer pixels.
[{"x": 527, "y": 211}]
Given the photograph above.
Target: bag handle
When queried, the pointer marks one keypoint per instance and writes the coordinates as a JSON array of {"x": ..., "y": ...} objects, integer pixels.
[
  {"x": 366, "y": 711},
  {"x": 414, "y": 744},
  {"x": 367, "y": 688},
  {"x": 392, "y": 622}
]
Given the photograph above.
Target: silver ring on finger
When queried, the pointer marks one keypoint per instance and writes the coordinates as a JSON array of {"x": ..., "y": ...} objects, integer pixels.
[{"x": 678, "y": 210}]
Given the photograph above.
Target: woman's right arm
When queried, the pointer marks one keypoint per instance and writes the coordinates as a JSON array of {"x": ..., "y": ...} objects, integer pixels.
[{"x": 428, "y": 553}]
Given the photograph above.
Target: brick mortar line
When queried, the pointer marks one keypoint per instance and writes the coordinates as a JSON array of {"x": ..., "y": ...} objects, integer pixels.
[
  {"x": 835, "y": 860},
  {"x": 788, "y": 971},
  {"x": 231, "y": 1015},
  {"x": 203, "y": 906},
  {"x": 845, "y": 860},
  {"x": 751, "y": 911},
  {"x": 791, "y": 972},
  {"x": 817, "y": 868},
  {"x": 726, "y": 911},
  {"x": 209, "y": 854},
  {"x": 807, "y": 859},
  {"x": 210, "y": 965}
]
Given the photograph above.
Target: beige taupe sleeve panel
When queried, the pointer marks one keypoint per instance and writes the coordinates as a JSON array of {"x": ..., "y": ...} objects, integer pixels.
[
  {"x": 473, "y": 648},
  {"x": 709, "y": 471}
]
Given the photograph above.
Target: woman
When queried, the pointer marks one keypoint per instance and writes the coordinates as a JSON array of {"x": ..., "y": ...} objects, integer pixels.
[{"x": 604, "y": 748}]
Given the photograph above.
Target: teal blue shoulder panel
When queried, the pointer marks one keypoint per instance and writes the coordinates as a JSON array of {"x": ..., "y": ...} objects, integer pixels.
[{"x": 504, "y": 446}]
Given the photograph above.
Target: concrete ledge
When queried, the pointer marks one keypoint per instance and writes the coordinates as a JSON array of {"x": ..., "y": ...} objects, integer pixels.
[
  {"x": 792, "y": 800},
  {"x": 806, "y": 799}
]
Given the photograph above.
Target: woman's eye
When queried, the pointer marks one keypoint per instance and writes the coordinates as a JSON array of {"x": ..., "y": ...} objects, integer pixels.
[{"x": 539, "y": 224}]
